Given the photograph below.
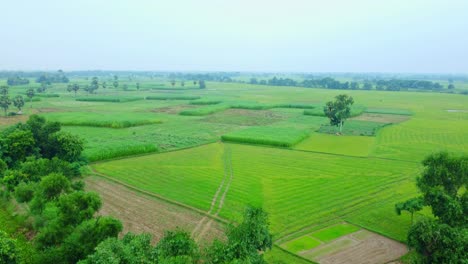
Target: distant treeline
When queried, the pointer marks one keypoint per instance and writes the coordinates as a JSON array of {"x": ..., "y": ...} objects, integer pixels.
[
  {"x": 331, "y": 83},
  {"x": 16, "y": 80}
]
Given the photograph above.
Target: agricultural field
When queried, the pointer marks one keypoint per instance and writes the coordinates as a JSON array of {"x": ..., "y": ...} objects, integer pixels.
[{"x": 199, "y": 156}]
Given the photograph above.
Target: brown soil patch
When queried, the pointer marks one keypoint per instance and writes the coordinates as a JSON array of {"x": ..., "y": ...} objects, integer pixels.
[
  {"x": 362, "y": 247},
  {"x": 245, "y": 117},
  {"x": 11, "y": 120},
  {"x": 141, "y": 213},
  {"x": 381, "y": 118},
  {"x": 174, "y": 110}
]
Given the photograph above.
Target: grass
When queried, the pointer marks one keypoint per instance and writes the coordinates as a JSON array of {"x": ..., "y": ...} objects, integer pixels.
[
  {"x": 46, "y": 95},
  {"x": 122, "y": 150},
  {"x": 172, "y": 97},
  {"x": 301, "y": 244},
  {"x": 273, "y": 136},
  {"x": 109, "y": 99},
  {"x": 354, "y": 128},
  {"x": 111, "y": 120},
  {"x": 343, "y": 145},
  {"x": 298, "y": 189},
  {"x": 388, "y": 111},
  {"x": 334, "y": 232},
  {"x": 205, "y": 102}
]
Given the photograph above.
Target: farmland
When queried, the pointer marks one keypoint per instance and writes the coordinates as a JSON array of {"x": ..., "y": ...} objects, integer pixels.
[{"x": 218, "y": 149}]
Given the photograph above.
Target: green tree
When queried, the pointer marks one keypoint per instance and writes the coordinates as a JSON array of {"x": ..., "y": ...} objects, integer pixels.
[
  {"x": 30, "y": 94},
  {"x": 177, "y": 243},
  {"x": 104, "y": 85},
  {"x": 339, "y": 110},
  {"x": 18, "y": 102},
  {"x": 451, "y": 86},
  {"x": 5, "y": 100},
  {"x": 66, "y": 146},
  {"x": 74, "y": 87},
  {"x": 77, "y": 207},
  {"x": 8, "y": 251},
  {"x": 18, "y": 144},
  {"x": 115, "y": 84},
  {"x": 173, "y": 83},
  {"x": 138, "y": 86},
  {"x": 443, "y": 187},
  {"x": 52, "y": 186},
  {"x": 412, "y": 205},
  {"x": 130, "y": 249},
  {"x": 182, "y": 83},
  {"x": 94, "y": 85},
  {"x": 201, "y": 84}
]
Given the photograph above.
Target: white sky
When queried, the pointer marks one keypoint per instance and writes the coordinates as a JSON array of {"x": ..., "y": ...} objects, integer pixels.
[{"x": 236, "y": 35}]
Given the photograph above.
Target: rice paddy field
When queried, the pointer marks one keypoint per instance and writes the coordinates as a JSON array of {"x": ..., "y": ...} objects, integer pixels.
[{"x": 229, "y": 145}]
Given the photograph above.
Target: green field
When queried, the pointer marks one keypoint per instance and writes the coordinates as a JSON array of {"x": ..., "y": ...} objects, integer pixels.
[{"x": 275, "y": 141}]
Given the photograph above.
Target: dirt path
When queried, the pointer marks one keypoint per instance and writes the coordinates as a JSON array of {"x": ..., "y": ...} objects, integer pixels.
[{"x": 205, "y": 224}]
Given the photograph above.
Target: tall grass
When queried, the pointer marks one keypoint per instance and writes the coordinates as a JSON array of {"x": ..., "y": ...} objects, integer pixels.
[
  {"x": 111, "y": 120},
  {"x": 172, "y": 97},
  {"x": 122, "y": 150},
  {"x": 207, "y": 110},
  {"x": 205, "y": 102},
  {"x": 318, "y": 111},
  {"x": 110, "y": 99},
  {"x": 273, "y": 136}
]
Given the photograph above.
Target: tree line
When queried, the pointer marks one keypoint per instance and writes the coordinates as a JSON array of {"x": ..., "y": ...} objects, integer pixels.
[
  {"x": 41, "y": 167},
  {"x": 331, "y": 83}
]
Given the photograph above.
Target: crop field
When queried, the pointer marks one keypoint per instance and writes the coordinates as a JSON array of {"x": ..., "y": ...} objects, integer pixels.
[{"x": 220, "y": 148}]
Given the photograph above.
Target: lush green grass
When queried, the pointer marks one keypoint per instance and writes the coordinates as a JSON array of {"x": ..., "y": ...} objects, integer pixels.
[
  {"x": 120, "y": 150},
  {"x": 278, "y": 256},
  {"x": 388, "y": 111},
  {"x": 172, "y": 97},
  {"x": 300, "y": 244},
  {"x": 274, "y": 136},
  {"x": 354, "y": 128},
  {"x": 205, "y": 102},
  {"x": 298, "y": 189},
  {"x": 46, "y": 95},
  {"x": 112, "y": 99},
  {"x": 109, "y": 119},
  {"x": 343, "y": 145},
  {"x": 334, "y": 232}
]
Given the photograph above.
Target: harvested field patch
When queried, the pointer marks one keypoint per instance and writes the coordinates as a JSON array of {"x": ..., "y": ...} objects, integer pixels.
[
  {"x": 382, "y": 118},
  {"x": 141, "y": 213},
  {"x": 174, "y": 110},
  {"x": 246, "y": 117}
]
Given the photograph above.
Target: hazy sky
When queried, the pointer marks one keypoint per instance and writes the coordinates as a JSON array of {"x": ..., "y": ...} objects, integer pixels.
[{"x": 235, "y": 35}]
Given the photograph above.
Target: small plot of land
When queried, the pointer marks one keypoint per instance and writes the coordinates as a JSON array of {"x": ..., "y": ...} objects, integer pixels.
[
  {"x": 382, "y": 118},
  {"x": 110, "y": 99},
  {"x": 112, "y": 120},
  {"x": 274, "y": 136},
  {"x": 388, "y": 111},
  {"x": 309, "y": 241},
  {"x": 346, "y": 243},
  {"x": 140, "y": 213},
  {"x": 354, "y": 128},
  {"x": 343, "y": 145},
  {"x": 246, "y": 117},
  {"x": 356, "y": 248},
  {"x": 174, "y": 110}
]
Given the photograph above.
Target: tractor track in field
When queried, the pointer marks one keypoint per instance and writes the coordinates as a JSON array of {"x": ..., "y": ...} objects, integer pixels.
[{"x": 205, "y": 224}]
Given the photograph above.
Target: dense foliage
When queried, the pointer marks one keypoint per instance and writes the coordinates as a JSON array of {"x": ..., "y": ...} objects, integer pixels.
[
  {"x": 245, "y": 244},
  {"x": 442, "y": 239}
]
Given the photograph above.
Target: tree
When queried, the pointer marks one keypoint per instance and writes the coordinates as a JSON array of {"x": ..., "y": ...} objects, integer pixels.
[
  {"x": 182, "y": 83},
  {"x": 94, "y": 84},
  {"x": 176, "y": 244},
  {"x": 443, "y": 187},
  {"x": 74, "y": 87},
  {"x": 451, "y": 86},
  {"x": 30, "y": 94},
  {"x": 8, "y": 252},
  {"x": 367, "y": 86},
  {"x": 412, "y": 205},
  {"x": 125, "y": 87},
  {"x": 339, "y": 110},
  {"x": 173, "y": 82},
  {"x": 138, "y": 86},
  {"x": 194, "y": 83},
  {"x": 5, "y": 101},
  {"x": 65, "y": 145},
  {"x": 115, "y": 84},
  {"x": 201, "y": 84},
  {"x": 104, "y": 85},
  {"x": 18, "y": 102}
]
